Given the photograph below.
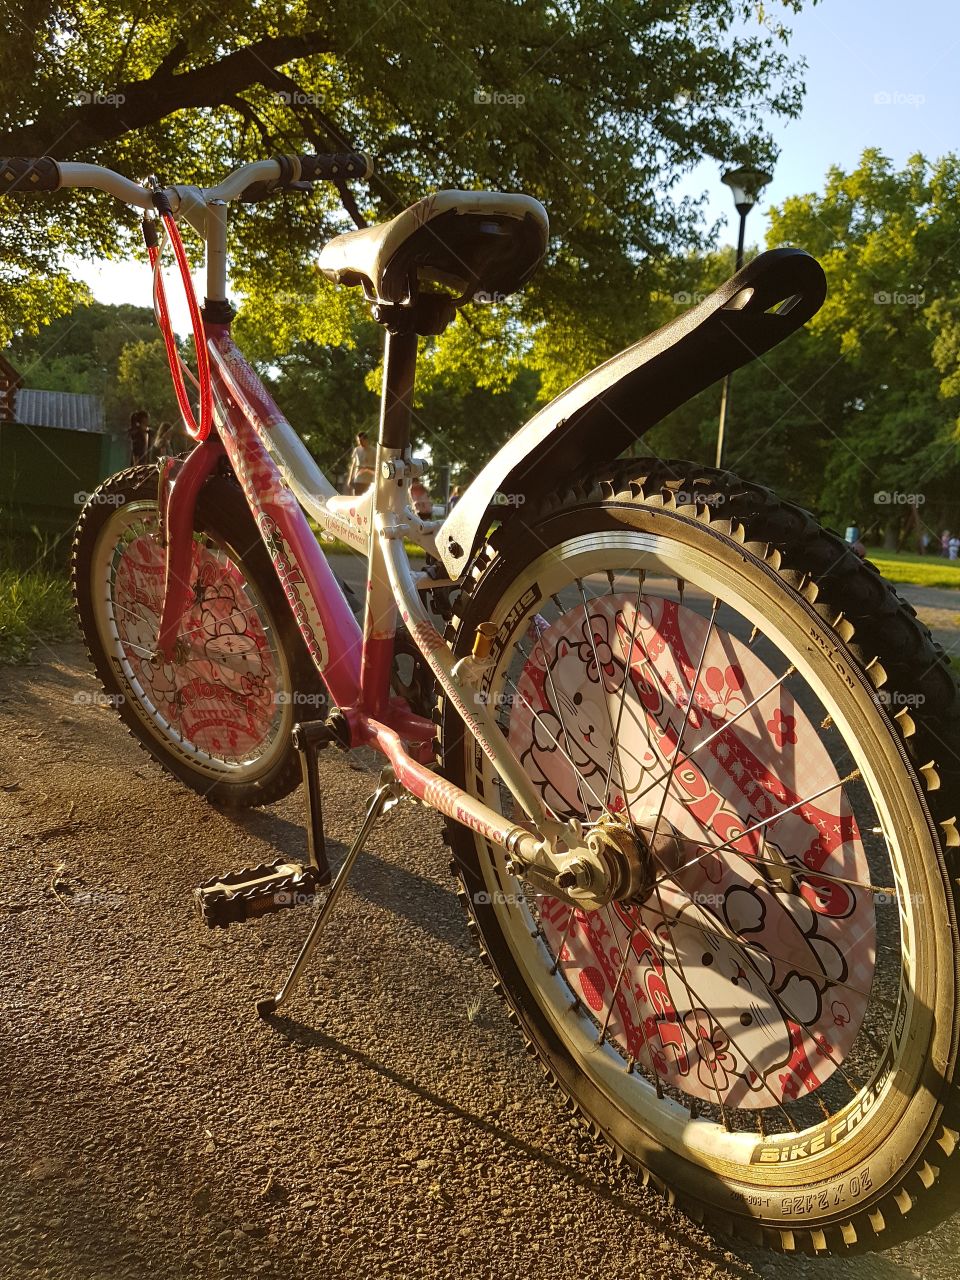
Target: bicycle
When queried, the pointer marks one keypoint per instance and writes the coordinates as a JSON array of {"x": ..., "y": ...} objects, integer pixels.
[{"x": 698, "y": 762}]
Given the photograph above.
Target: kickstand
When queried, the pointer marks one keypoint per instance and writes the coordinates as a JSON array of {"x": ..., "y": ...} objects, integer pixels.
[
  {"x": 388, "y": 790},
  {"x": 308, "y": 739}
]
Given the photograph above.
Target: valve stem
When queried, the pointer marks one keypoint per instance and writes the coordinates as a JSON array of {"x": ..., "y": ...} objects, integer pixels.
[{"x": 483, "y": 641}]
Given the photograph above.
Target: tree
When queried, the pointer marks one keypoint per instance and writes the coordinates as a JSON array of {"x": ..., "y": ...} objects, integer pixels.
[
  {"x": 110, "y": 351},
  {"x": 595, "y": 107},
  {"x": 143, "y": 382},
  {"x": 330, "y": 392},
  {"x": 856, "y": 416},
  {"x": 888, "y": 240}
]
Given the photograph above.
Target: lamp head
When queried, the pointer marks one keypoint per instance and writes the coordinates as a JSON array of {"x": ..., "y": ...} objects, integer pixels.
[{"x": 746, "y": 185}]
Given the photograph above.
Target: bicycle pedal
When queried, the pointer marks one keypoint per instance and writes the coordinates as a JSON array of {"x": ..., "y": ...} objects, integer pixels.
[{"x": 257, "y": 891}]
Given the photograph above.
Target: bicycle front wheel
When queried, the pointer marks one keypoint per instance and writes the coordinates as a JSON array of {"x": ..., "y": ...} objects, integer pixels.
[
  {"x": 770, "y": 1032},
  {"x": 219, "y": 712}
]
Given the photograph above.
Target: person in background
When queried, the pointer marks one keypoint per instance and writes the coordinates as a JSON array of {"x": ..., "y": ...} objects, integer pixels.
[
  {"x": 945, "y": 542},
  {"x": 925, "y": 540},
  {"x": 421, "y": 499},
  {"x": 139, "y": 436},
  {"x": 953, "y": 547},
  {"x": 362, "y": 461},
  {"x": 852, "y": 539},
  {"x": 168, "y": 440}
]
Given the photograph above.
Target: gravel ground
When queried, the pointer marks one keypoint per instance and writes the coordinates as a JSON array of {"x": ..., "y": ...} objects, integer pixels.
[{"x": 151, "y": 1125}]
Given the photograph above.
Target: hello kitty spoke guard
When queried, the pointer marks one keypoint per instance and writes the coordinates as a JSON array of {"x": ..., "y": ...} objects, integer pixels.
[
  {"x": 749, "y": 971},
  {"x": 221, "y": 690}
]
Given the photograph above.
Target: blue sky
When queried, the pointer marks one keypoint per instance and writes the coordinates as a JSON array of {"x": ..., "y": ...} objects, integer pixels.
[{"x": 881, "y": 73}]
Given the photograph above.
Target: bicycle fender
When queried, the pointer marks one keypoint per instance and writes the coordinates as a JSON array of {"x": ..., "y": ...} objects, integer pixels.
[
  {"x": 178, "y": 493},
  {"x": 611, "y": 407}
]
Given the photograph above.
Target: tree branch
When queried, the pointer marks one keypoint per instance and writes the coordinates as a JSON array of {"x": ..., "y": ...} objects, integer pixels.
[
  {"x": 250, "y": 118},
  {"x": 316, "y": 116},
  {"x": 141, "y": 103},
  {"x": 171, "y": 59}
]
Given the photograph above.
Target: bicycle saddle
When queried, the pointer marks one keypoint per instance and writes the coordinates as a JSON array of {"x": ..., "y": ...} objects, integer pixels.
[{"x": 482, "y": 244}]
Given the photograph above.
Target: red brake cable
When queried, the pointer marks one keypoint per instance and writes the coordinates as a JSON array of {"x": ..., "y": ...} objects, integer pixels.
[{"x": 197, "y": 430}]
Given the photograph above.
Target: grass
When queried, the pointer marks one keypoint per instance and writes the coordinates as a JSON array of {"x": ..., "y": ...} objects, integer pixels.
[
  {"x": 333, "y": 546},
  {"x": 35, "y": 602},
  {"x": 921, "y": 571},
  {"x": 34, "y": 607}
]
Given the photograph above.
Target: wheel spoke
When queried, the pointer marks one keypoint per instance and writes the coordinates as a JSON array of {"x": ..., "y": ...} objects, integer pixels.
[
  {"x": 235, "y": 724},
  {"x": 614, "y": 734},
  {"x": 686, "y": 719},
  {"x": 653, "y": 839},
  {"x": 731, "y": 937},
  {"x": 727, "y": 724},
  {"x": 623, "y": 691},
  {"x": 757, "y": 826},
  {"x": 613, "y": 999},
  {"x": 760, "y": 1076},
  {"x": 526, "y": 702},
  {"x": 730, "y": 683},
  {"x": 723, "y": 931}
]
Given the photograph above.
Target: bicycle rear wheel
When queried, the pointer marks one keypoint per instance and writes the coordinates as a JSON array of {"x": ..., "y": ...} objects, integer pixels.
[
  {"x": 770, "y": 1034},
  {"x": 218, "y": 715}
]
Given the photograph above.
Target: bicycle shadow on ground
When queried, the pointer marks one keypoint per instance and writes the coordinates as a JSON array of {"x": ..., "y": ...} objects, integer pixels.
[
  {"x": 755, "y": 1261},
  {"x": 870, "y": 1266},
  {"x": 380, "y": 882},
  {"x": 306, "y": 1039}
]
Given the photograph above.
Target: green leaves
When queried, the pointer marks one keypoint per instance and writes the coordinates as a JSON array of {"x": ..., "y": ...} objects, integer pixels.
[
  {"x": 114, "y": 352},
  {"x": 593, "y": 108},
  {"x": 865, "y": 400}
]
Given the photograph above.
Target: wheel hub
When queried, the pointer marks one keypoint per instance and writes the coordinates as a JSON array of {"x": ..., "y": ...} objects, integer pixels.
[{"x": 622, "y": 862}]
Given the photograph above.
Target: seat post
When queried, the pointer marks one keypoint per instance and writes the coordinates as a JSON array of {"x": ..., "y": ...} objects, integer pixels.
[
  {"x": 396, "y": 405},
  {"x": 380, "y": 611}
]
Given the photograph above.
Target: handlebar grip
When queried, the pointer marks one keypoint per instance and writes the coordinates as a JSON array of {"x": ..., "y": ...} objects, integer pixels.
[
  {"x": 334, "y": 167},
  {"x": 21, "y": 175},
  {"x": 353, "y": 165}
]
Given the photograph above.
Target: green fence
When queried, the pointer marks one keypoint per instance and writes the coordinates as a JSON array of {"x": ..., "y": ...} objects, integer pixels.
[{"x": 45, "y": 471}]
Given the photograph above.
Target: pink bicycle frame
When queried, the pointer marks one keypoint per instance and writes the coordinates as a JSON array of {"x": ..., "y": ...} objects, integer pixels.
[{"x": 279, "y": 479}]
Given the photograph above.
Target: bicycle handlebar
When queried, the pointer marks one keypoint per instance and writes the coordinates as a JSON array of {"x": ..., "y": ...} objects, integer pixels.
[
  {"x": 22, "y": 175},
  {"x": 299, "y": 171}
]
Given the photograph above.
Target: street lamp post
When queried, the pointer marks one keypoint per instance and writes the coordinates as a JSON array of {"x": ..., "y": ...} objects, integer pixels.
[{"x": 746, "y": 185}]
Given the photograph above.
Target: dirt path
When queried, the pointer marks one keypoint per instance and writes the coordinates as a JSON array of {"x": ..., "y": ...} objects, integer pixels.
[{"x": 152, "y": 1126}]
